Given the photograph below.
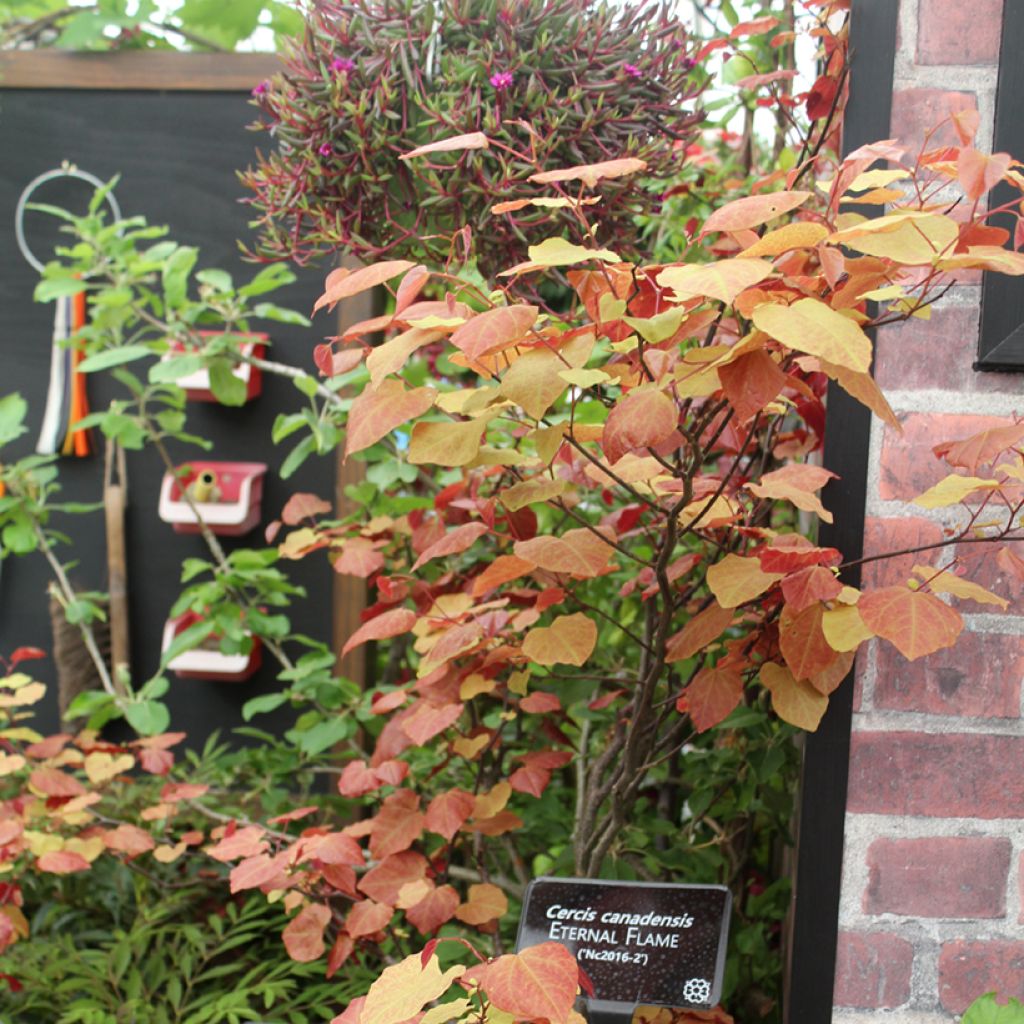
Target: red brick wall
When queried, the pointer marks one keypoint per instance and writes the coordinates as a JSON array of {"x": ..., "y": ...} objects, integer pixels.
[{"x": 932, "y": 908}]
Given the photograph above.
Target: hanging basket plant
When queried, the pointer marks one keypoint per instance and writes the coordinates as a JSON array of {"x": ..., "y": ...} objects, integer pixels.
[{"x": 570, "y": 81}]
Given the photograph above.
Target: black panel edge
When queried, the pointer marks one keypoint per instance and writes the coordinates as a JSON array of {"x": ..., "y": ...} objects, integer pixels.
[
  {"x": 822, "y": 798},
  {"x": 1001, "y": 342}
]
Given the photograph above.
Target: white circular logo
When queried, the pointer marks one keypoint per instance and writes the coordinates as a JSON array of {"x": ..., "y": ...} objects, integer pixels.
[{"x": 697, "y": 990}]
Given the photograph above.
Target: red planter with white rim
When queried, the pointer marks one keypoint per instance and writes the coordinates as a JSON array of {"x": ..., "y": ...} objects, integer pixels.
[
  {"x": 197, "y": 385},
  {"x": 227, "y": 496},
  {"x": 209, "y": 663}
]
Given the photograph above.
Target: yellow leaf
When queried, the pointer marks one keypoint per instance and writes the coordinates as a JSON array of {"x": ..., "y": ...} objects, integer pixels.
[
  {"x": 393, "y": 355},
  {"x": 169, "y": 854},
  {"x": 584, "y": 378},
  {"x": 949, "y": 583},
  {"x": 862, "y": 386},
  {"x": 911, "y": 237},
  {"x": 533, "y": 380},
  {"x": 569, "y": 640},
  {"x": 591, "y": 174},
  {"x": 526, "y": 493},
  {"x": 723, "y": 280},
  {"x": 548, "y": 440},
  {"x": 801, "y": 235},
  {"x": 445, "y": 444},
  {"x": 454, "y": 1010},
  {"x": 470, "y": 747},
  {"x": 985, "y": 257},
  {"x": 89, "y": 849},
  {"x": 488, "y": 804},
  {"x": 560, "y": 252},
  {"x": 794, "y": 701},
  {"x": 517, "y": 682},
  {"x": 10, "y": 763},
  {"x": 878, "y": 178},
  {"x": 707, "y": 514},
  {"x": 403, "y": 989},
  {"x": 658, "y": 328},
  {"x": 844, "y": 629},
  {"x": 101, "y": 767},
  {"x": 736, "y": 579},
  {"x": 812, "y": 326},
  {"x": 954, "y": 489}
]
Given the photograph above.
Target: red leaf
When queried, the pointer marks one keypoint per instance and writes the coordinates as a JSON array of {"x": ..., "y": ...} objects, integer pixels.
[
  {"x": 497, "y": 329},
  {"x": 804, "y": 588},
  {"x": 449, "y": 811},
  {"x": 129, "y": 839},
  {"x": 25, "y": 654},
  {"x": 338, "y": 848},
  {"x": 982, "y": 448},
  {"x": 304, "y": 506},
  {"x": 803, "y": 642},
  {"x": 713, "y": 693},
  {"x": 49, "y": 781},
  {"x": 539, "y": 702},
  {"x": 391, "y": 623},
  {"x": 750, "y": 382},
  {"x": 429, "y": 720},
  {"x": 304, "y": 934},
  {"x": 391, "y": 773},
  {"x": 357, "y": 779},
  {"x": 452, "y": 543},
  {"x": 245, "y": 842},
  {"x": 253, "y": 872},
  {"x": 343, "y": 283},
  {"x": 530, "y": 779},
  {"x": 343, "y": 947}
]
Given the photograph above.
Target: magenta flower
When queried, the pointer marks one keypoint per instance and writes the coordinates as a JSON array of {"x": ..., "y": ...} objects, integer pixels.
[
  {"x": 325, "y": 149},
  {"x": 340, "y": 64},
  {"x": 261, "y": 89},
  {"x": 632, "y": 70},
  {"x": 502, "y": 80}
]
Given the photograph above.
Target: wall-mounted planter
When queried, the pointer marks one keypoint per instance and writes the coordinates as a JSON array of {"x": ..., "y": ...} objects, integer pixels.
[
  {"x": 227, "y": 495},
  {"x": 204, "y": 663},
  {"x": 197, "y": 385}
]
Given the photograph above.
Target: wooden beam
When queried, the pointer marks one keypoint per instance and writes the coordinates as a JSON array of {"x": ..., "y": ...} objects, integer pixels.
[
  {"x": 350, "y": 591},
  {"x": 144, "y": 70}
]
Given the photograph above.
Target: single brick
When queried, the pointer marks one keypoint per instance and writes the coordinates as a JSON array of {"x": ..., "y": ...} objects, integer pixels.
[
  {"x": 936, "y": 353},
  {"x": 980, "y": 676},
  {"x": 954, "y": 32},
  {"x": 908, "y": 463},
  {"x": 953, "y": 775},
  {"x": 872, "y": 970},
  {"x": 940, "y": 876},
  {"x": 917, "y": 111},
  {"x": 882, "y": 535},
  {"x": 967, "y": 969}
]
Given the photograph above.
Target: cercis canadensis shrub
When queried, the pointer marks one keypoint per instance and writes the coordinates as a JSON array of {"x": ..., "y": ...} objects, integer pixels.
[{"x": 567, "y": 81}]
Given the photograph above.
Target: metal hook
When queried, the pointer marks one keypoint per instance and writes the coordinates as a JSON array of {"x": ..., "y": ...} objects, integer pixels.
[{"x": 66, "y": 170}]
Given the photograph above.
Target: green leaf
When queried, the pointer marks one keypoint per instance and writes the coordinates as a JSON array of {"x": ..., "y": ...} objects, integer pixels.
[
  {"x": 167, "y": 371},
  {"x": 269, "y": 311},
  {"x": 58, "y": 287},
  {"x": 226, "y": 387},
  {"x": 12, "y": 417},
  {"x": 114, "y": 357},
  {"x": 297, "y": 456},
  {"x": 323, "y": 735},
  {"x": 175, "y": 275},
  {"x": 148, "y": 717},
  {"x": 985, "y": 1010},
  {"x": 261, "y": 705},
  {"x": 218, "y": 280},
  {"x": 187, "y": 640}
]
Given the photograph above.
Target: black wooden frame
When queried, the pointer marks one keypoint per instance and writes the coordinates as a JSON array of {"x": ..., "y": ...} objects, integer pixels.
[
  {"x": 1001, "y": 344},
  {"x": 812, "y": 949}
]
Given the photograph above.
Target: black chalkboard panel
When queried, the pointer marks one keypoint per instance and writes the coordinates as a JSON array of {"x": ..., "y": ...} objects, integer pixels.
[
  {"x": 178, "y": 154},
  {"x": 640, "y": 943}
]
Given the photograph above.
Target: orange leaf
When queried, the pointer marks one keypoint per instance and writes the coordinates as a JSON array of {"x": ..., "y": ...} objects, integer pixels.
[
  {"x": 430, "y": 720},
  {"x": 538, "y": 984},
  {"x": 397, "y": 825},
  {"x": 798, "y": 703},
  {"x": 49, "y": 781},
  {"x": 704, "y": 628},
  {"x": 357, "y": 779},
  {"x": 382, "y": 627},
  {"x": 826, "y": 681},
  {"x": 342, "y": 286},
  {"x": 368, "y": 918},
  {"x": 486, "y": 903},
  {"x": 449, "y": 811},
  {"x": 471, "y": 140},
  {"x": 395, "y": 352},
  {"x": 713, "y": 693},
  {"x": 304, "y": 934},
  {"x": 494, "y": 330},
  {"x": 736, "y": 579},
  {"x": 979, "y": 172},
  {"x": 129, "y": 839},
  {"x": 384, "y": 881},
  {"x": 590, "y": 174},
  {"x": 436, "y": 908},
  {"x": 304, "y": 506},
  {"x": 375, "y": 413},
  {"x": 796, "y": 483},
  {"x": 253, "y": 872},
  {"x": 802, "y": 641},
  {"x": 503, "y": 569},
  {"x": 750, "y": 382},
  {"x": 753, "y": 211},
  {"x": 452, "y": 543},
  {"x": 539, "y": 702},
  {"x": 62, "y": 862},
  {"x": 644, "y": 418},
  {"x": 245, "y": 842},
  {"x": 580, "y": 553},
  {"x": 982, "y": 448},
  {"x": 569, "y": 640},
  {"x": 805, "y": 587},
  {"x": 914, "y": 622},
  {"x": 342, "y": 949}
]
